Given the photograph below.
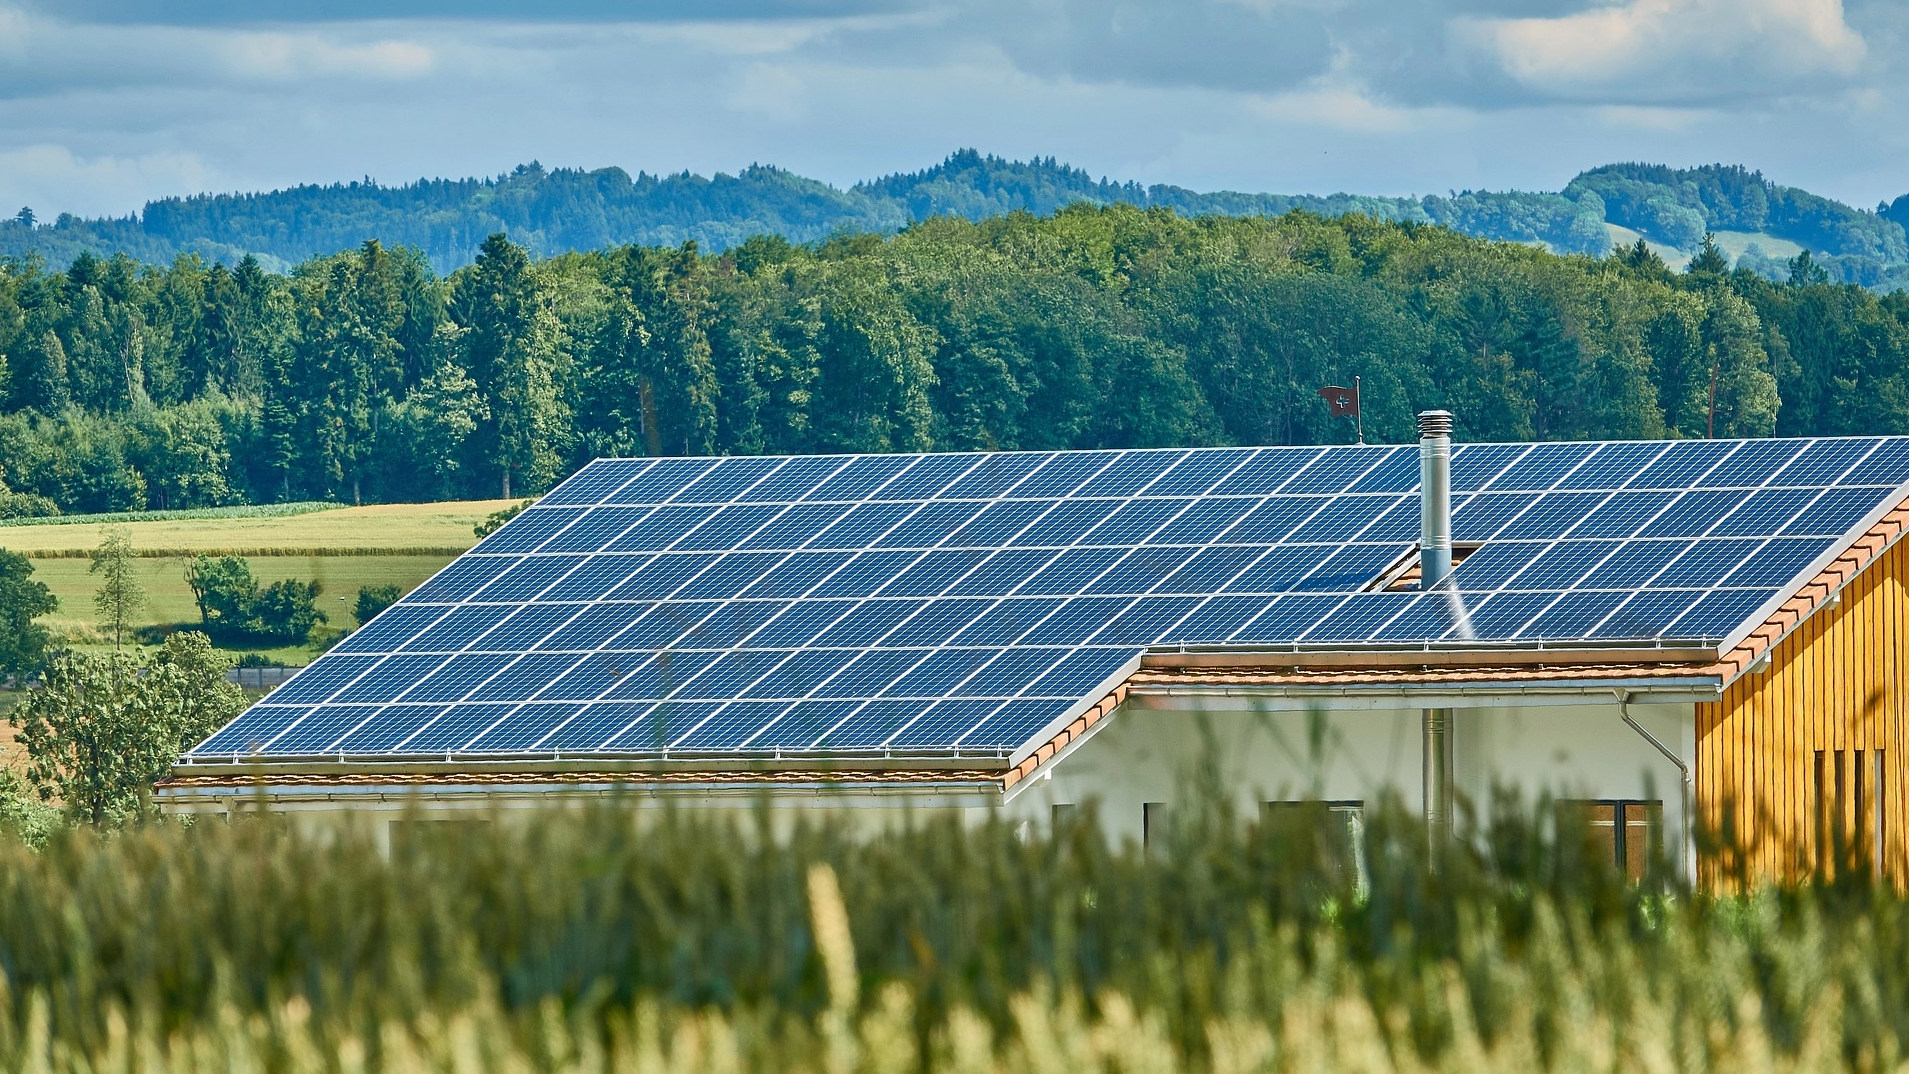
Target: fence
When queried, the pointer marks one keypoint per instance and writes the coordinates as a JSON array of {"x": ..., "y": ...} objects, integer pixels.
[{"x": 259, "y": 678}]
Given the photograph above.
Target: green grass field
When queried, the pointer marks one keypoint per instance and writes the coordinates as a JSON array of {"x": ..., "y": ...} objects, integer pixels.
[{"x": 342, "y": 550}]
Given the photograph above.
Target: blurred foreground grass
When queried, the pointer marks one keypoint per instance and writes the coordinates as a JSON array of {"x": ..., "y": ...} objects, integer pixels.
[{"x": 584, "y": 941}]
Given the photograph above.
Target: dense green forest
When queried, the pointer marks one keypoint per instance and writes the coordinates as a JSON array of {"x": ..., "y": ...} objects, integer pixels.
[
  {"x": 364, "y": 375},
  {"x": 550, "y": 212}
]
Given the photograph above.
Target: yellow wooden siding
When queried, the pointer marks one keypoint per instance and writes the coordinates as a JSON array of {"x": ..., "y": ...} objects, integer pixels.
[{"x": 1836, "y": 683}]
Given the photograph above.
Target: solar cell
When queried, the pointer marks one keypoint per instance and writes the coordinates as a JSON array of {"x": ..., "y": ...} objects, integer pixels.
[
  {"x": 1133, "y": 471},
  {"x": 454, "y": 727},
  {"x": 661, "y": 576},
  {"x": 394, "y": 724},
  {"x": 792, "y": 481},
  {"x": 533, "y": 528},
  {"x": 1198, "y": 471},
  {"x": 459, "y": 580},
  {"x": 996, "y": 474},
  {"x": 954, "y": 602},
  {"x": 1076, "y": 621},
  {"x": 596, "y": 576},
  {"x": 1622, "y": 514},
  {"x": 1333, "y": 472},
  {"x": 596, "y": 529},
  {"x": 522, "y": 729},
  {"x": 1475, "y": 465},
  {"x": 595, "y": 724},
  {"x": 1826, "y": 461},
  {"x": 1217, "y": 619},
  {"x": 728, "y": 480},
  {"x": 1683, "y": 464},
  {"x": 1541, "y": 468},
  {"x": 1719, "y": 612},
  {"x": 459, "y": 626},
  {"x": 661, "y": 481},
  {"x": 1834, "y": 512},
  {"x": 802, "y": 724},
  {"x": 931, "y": 525},
  {"x": 458, "y": 676},
  {"x": 390, "y": 628},
  {"x": 1141, "y": 570},
  {"x": 1146, "y": 621},
  {"x": 1287, "y": 618},
  {"x": 1572, "y": 615},
  {"x": 1265, "y": 472},
  {"x": 869, "y": 726},
  {"x": 1062, "y": 474},
  {"x": 526, "y": 579},
  {"x": 1502, "y": 615},
  {"x": 595, "y": 481},
  {"x": 1013, "y": 723},
  {"x": 728, "y": 527},
  {"x": 660, "y": 528},
  {"x": 663, "y": 725},
  {"x": 932, "y": 574},
  {"x": 1887, "y": 465},
  {"x": 1613, "y": 465}
]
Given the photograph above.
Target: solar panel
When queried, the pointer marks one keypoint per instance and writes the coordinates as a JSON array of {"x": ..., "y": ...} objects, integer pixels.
[{"x": 956, "y": 603}]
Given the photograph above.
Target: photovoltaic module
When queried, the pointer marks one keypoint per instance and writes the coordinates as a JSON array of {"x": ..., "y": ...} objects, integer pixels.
[{"x": 967, "y": 604}]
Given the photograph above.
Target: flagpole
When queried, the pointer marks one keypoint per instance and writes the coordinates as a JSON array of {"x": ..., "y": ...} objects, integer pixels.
[{"x": 1358, "y": 415}]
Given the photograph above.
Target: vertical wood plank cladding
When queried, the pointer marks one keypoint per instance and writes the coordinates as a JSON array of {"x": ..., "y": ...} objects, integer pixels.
[{"x": 1836, "y": 683}]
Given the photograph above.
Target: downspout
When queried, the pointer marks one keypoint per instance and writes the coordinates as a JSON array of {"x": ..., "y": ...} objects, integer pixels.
[
  {"x": 1683, "y": 772},
  {"x": 1435, "y": 565}
]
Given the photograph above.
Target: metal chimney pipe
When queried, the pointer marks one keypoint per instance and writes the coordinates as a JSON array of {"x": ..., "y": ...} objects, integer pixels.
[{"x": 1435, "y": 495}]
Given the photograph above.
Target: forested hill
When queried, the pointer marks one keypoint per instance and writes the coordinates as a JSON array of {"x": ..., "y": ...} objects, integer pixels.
[
  {"x": 1759, "y": 224},
  {"x": 364, "y": 374}
]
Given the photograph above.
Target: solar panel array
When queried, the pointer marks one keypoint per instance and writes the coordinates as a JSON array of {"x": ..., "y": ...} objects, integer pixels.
[{"x": 968, "y": 603}]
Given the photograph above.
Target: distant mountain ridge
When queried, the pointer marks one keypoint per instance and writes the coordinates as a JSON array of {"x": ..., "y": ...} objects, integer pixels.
[{"x": 553, "y": 211}]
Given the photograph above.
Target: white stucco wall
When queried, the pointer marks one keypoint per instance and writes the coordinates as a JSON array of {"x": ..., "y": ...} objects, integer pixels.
[{"x": 1578, "y": 751}]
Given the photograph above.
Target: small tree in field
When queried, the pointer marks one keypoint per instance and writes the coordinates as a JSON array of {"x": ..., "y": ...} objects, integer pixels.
[
  {"x": 105, "y": 727},
  {"x": 120, "y": 598}
]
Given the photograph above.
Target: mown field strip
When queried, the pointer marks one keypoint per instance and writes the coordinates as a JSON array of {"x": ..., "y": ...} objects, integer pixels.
[
  {"x": 281, "y": 551},
  {"x": 377, "y": 530}
]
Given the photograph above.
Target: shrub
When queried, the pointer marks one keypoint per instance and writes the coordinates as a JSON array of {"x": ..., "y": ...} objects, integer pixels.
[
  {"x": 286, "y": 611},
  {"x": 232, "y": 605},
  {"x": 26, "y": 505},
  {"x": 373, "y": 599}
]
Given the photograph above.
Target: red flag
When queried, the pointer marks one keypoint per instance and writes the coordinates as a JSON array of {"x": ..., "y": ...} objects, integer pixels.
[{"x": 1343, "y": 402}]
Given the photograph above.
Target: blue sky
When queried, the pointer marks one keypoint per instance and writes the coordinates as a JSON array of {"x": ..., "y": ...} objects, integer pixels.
[{"x": 105, "y": 103}]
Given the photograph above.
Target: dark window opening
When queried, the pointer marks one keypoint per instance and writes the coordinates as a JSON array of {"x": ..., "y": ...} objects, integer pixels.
[
  {"x": 1342, "y": 837},
  {"x": 1628, "y": 832},
  {"x": 1847, "y": 813}
]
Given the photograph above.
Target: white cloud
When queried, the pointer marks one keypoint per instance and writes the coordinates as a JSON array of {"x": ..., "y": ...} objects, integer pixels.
[
  {"x": 51, "y": 179},
  {"x": 1672, "y": 51},
  {"x": 1370, "y": 96}
]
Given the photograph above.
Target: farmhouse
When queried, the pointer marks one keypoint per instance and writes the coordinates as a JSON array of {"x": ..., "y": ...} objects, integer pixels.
[{"x": 1674, "y": 634}]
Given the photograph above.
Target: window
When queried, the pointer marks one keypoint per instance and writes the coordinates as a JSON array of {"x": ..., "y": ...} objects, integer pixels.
[
  {"x": 1848, "y": 809},
  {"x": 1065, "y": 813},
  {"x": 1344, "y": 832},
  {"x": 1153, "y": 824},
  {"x": 1627, "y": 831}
]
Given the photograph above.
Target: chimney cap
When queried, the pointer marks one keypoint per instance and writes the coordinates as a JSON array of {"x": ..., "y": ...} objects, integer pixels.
[{"x": 1434, "y": 423}]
